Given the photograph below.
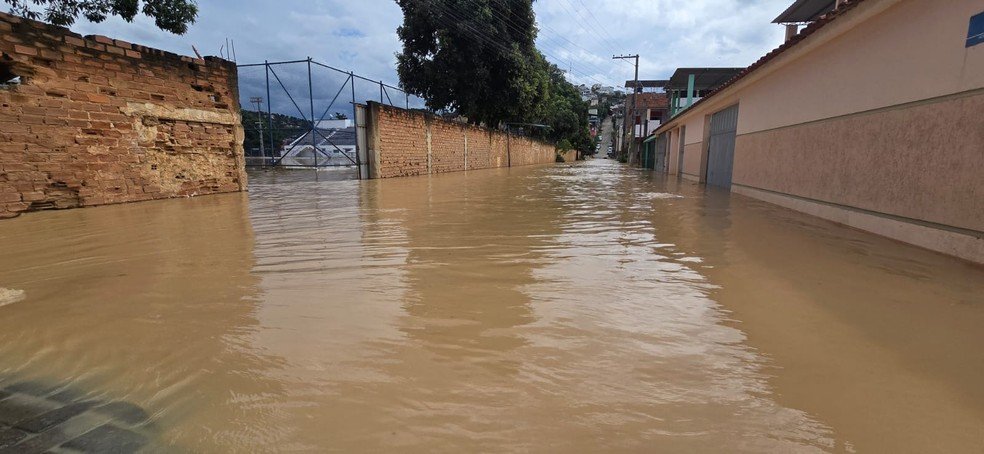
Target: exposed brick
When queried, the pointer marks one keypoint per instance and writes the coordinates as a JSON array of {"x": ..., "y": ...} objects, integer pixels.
[
  {"x": 26, "y": 50},
  {"x": 50, "y": 54},
  {"x": 403, "y": 150},
  {"x": 75, "y": 41},
  {"x": 98, "y": 98},
  {"x": 68, "y": 138},
  {"x": 102, "y": 39}
]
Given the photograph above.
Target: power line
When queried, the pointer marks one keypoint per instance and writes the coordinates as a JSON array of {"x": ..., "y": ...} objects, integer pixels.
[
  {"x": 463, "y": 22},
  {"x": 576, "y": 12},
  {"x": 613, "y": 47},
  {"x": 600, "y": 26},
  {"x": 508, "y": 22}
]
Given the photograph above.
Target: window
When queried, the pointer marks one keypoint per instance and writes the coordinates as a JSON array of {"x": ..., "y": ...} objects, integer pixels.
[{"x": 975, "y": 33}]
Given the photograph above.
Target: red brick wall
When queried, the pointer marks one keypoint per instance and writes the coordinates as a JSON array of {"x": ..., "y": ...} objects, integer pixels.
[
  {"x": 407, "y": 143},
  {"x": 98, "y": 121}
]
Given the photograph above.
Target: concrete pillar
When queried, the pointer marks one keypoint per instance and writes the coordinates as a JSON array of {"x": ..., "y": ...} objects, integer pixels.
[
  {"x": 430, "y": 166},
  {"x": 691, "y": 80},
  {"x": 791, "y": 31}
]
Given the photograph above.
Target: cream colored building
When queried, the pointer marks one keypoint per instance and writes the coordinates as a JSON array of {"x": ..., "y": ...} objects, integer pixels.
[{"x": 872, "y": 116}]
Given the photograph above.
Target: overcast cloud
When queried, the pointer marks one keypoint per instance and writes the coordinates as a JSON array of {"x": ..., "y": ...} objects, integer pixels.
[{"x": 360, "y": 35}]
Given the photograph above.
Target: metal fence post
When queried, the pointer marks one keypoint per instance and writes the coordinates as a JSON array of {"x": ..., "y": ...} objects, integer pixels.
[
  {"x": 355, "y": 120},
  {"x": 266, "y": 66},
  {"x": 314, "y": 143}
]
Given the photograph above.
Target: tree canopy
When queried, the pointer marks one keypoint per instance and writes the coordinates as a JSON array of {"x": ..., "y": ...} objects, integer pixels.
[
  {"x": 171, "y": 15},
  {"x": 478, "y": 58}
]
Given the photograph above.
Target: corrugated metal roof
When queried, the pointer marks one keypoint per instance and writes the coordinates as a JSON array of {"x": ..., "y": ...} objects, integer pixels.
[
  {"x": 705, "y": 78},
  {"x": 805, "y": 11},
  {"x": 647, "y": 83}
]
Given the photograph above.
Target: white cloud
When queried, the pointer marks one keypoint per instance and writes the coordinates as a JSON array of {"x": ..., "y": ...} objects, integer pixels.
[{"x": 578, "y": 34}]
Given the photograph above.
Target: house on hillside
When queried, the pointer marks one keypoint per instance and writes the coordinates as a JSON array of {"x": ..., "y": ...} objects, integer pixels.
[{"x": 320, "y": 147}]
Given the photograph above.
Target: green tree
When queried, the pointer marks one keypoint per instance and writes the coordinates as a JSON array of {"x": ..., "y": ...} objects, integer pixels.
[
  {"x": 256, "y": 125},
  {"x": 473, "y": 57},
  {"x": 171, "y": 15},
  {"x": 565, "y": 113},
  {"x": 477, "y": 58}
]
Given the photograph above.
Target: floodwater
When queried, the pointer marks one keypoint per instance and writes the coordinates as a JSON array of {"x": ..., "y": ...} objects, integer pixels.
[{"x": 585, "y": 308}]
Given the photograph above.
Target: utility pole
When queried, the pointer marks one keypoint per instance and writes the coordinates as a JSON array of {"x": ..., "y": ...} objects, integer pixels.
[
  {"x": 631, "y": 113},
  {"x": 259, "y": 121}
]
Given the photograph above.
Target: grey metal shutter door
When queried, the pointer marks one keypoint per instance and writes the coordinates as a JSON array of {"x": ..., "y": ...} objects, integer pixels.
[
  {"x": 721, "y": 148},
  {"x": 660, "y": 159}
]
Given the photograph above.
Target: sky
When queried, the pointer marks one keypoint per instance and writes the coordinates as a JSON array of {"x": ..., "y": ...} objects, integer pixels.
[{"x": 360, "y": 36}]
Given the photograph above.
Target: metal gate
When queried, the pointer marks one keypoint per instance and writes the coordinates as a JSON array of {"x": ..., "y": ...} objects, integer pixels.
[
  {"x": 648, "y": 152},
  {"x": 721, "y": 147},
  {"x": 660, "y": 150},
  {"x": 309, "y": 114}
]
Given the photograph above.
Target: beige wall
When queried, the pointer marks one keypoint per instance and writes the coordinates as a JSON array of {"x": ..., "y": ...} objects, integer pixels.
[
  {"x": 875, "y": 117},
  {"x": 693, "y": 146},
  {"x": 692, "y": 158},
  {"x": 923, "y": 162},
  {"x": 671, "y": 152},
  {"x": 914, "y": 50}
]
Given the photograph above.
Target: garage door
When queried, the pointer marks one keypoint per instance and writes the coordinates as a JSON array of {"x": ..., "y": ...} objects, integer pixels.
[
  {"x": 721, "y": 147},
  {"x": 660, "y": 150}
]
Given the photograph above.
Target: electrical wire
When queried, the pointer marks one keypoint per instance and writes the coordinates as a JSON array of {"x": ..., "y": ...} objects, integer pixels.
[
  {"x": 508, "y": 22},
  {"x": 485, "y": 37}
]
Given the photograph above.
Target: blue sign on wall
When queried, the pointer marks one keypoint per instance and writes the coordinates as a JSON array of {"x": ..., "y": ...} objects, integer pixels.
[{"x": 975, "y": 35}]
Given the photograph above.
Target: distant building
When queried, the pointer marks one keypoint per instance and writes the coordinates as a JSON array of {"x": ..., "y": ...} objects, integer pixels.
[
  {"x": 646, "y": 109},
  {"x": 335, "y": 124},
  {"x": 322, "y": 147},
  {"x": 688, "y": 85}
]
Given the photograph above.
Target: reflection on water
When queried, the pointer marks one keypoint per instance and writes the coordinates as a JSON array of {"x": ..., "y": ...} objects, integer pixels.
[{"x": 563, "y": 309}]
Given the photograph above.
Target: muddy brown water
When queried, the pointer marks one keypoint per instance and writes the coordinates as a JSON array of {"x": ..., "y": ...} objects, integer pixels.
[{"x": 582, "y": 308}]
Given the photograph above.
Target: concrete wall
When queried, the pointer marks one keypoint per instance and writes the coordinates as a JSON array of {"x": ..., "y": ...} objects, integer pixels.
[
  {"x": 407, "y": 143},
  {"x": 872, "y": 121},
  {"x": 907, "y": 51},
  {"x": 98, "y": 121}
]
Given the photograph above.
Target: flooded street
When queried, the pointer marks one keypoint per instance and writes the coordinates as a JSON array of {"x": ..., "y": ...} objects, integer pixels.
[{"x": 582, "y": 308}]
